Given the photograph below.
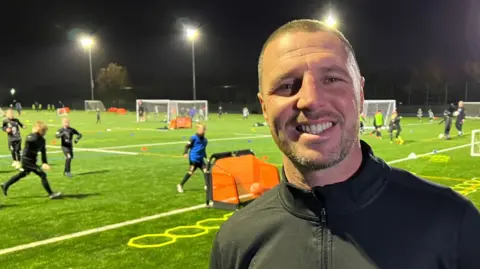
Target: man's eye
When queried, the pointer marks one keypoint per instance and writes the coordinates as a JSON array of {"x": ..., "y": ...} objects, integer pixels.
[
  {"x": 288, "y": 89},
  {"x": 330, "y": 80}
]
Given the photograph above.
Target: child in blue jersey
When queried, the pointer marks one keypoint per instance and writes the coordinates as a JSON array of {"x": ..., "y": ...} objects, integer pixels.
[{"x": 195, "y": 151}]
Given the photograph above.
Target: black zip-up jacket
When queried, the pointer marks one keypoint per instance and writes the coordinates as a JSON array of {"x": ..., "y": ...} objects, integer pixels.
[{"x": 382, "y": 217}]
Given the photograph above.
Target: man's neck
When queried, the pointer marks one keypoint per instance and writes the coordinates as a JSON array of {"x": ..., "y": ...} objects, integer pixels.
[{"x": 336, "y": 174}]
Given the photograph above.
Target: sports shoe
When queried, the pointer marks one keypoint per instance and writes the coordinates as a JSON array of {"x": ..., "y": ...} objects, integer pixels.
[
  {"x": 68, "y": 174},
  {"x": 55, "y": 195},
  {"x": 179, "y": 188},
  {"x": 18, "y": 165},
  {"x": 4, "y": 189}
]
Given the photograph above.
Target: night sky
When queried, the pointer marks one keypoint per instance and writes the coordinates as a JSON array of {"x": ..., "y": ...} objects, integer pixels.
[{"x": 39, "y": 50}]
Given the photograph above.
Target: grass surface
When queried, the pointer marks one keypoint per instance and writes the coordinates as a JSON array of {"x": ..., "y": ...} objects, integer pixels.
[{"x": 113, "y": 187}]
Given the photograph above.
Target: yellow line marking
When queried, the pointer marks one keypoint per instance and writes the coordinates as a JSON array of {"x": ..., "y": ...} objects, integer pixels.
[{"x": 200, "y": 228}]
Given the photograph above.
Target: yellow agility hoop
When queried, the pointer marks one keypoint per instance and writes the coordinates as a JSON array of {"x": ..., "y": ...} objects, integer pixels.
[{"x": 201, "y": 226}]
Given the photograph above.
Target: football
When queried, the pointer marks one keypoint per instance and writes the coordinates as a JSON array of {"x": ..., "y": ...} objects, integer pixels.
[{"x": 440, "y": 136}]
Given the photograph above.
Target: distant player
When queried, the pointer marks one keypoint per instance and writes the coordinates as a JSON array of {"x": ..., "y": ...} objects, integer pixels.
[
  {"x": 245, "y": 113},
  {"x": 378, "y": 122},
  {"x": 201, "y": 114},
  {"x": 18, "y": 106},
  {"x": 35, "y": 143},
  {"x": 196, "y": 152},
  {"x": 447, "y": 118},
  {"x": 156, "y": 113},
  {"x": 362, "y": 122},
  {"x": 141, "y": 111},
  {"x": 220, "y": 111},
  {"x": 394, "y": 125},
  {"x": 193, "y": 112},
  {"x": 99, "y": 120},
  {"x": 419, "y": 114},
  {"x": 67, "y": 133},
  {"x": 12, "y": 126},
  {"x": 460, "y": 118},
  {"x": 431, "y": 115}
]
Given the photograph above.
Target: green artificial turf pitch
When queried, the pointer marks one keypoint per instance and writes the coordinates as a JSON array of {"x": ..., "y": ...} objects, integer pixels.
[{"x": 132, "y": 173}]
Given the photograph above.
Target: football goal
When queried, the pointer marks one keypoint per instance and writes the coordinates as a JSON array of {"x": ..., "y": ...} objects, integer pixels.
[
  {"x": 472, "y": 109},
  {"x": 370, "y": 107},
  {"x": 93, "y": 105},
  {"x": 475, "y": 146},
  {"x": 165, "y": 110}
]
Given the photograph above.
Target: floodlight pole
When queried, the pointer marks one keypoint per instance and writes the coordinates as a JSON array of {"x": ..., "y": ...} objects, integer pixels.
[
  {"x": 193, "y": 70},
  {"x": 92, "y": 84}
]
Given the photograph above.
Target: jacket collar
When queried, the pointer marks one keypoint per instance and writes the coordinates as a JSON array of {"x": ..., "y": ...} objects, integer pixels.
[{"x": 341, "y": 198}]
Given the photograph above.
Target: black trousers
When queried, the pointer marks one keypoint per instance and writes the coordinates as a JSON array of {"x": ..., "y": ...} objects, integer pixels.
[
  {"x": 448, "y": 126},
  {"x": 27, "y": 169},
  {"x": 68, "y": 152},
  {"x": 459, "y": 125},
  {"x": 15, "y": 147}
]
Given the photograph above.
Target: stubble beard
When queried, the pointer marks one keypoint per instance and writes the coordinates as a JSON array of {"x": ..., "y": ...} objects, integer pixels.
[{"x": 331, "y": 158}]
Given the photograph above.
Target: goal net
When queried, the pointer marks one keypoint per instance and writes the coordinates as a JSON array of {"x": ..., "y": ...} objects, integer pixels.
[
  {"x": 370, "y": 107},
  {"x": 153, "y": 110},
  {"x": 93, "y": 105},
  {"x": 475, "y": 146},
  {"x": 472, "y": 109},
  {"x": 196, "y": 110}
]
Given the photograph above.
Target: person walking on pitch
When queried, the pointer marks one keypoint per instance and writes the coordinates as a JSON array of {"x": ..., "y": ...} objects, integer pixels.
[
  {"x": 447, "y": 118},
  {"x": 12, "y": 126},
  {"x": 195, "y": 151},
  {"x": 99, "y": 120},
  {"x": 460, "y": 118},
  {"x": 35, "y": 143},
  {"x": 394, "y": 125},
  {"x": 67, "y": 133},
  {"x": 377, "y": 124}
]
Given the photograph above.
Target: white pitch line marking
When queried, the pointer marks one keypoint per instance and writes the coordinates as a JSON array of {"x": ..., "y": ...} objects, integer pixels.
[
  {"x": 185, "y": 141},
  {"x": 99, "y": 150}
]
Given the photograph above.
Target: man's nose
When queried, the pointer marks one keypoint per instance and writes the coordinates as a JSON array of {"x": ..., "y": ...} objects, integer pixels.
[{"x": 311, "y": 93}]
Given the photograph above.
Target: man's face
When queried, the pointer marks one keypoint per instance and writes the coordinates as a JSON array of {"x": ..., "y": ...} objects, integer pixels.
[
  {"x": 10, "y": 114},
  {"x": 66, "y": 122},
  {"x": 311, "y": 97},
  {"x": 460, "y": 104}
]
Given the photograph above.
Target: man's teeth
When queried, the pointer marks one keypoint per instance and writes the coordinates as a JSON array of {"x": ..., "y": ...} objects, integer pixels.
[{"x": 316, "y": 128}]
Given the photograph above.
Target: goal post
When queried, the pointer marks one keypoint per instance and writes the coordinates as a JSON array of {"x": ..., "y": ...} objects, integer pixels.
[
  {"x": 370, "y": 107},
  {"x": 93, "y": 105},
  {"x": 197, "y": 110},
  {"x": 153, "y": 109},
  {"x": 165, "y": 110},
  {"x": 472, "y": 109},
  {"x": 475, "y": 146}
]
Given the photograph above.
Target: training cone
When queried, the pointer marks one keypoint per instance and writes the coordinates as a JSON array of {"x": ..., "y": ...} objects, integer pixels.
[
  {"x": 265, "y": 158},
  {"x": 54, "y": 142},
  {"x": 144, "y": 149}
]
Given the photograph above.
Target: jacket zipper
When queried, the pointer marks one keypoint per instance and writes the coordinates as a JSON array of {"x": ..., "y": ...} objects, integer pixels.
[{"x": 324, "y": 239}]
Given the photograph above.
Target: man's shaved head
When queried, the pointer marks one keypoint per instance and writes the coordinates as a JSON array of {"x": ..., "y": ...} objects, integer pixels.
[{"x": 304, "y": 25}]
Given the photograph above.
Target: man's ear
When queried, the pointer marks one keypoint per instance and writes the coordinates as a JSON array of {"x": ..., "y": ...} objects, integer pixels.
[
  {"x": 362, "y": 96},
  {"x": 262, "y": 104}
]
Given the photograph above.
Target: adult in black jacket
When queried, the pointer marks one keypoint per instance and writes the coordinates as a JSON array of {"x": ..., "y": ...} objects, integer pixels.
[{"x": 338, "y": 205}]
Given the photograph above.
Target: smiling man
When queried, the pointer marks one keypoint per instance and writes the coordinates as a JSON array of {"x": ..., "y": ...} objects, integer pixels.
[{"x": 338, "y": 205}]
